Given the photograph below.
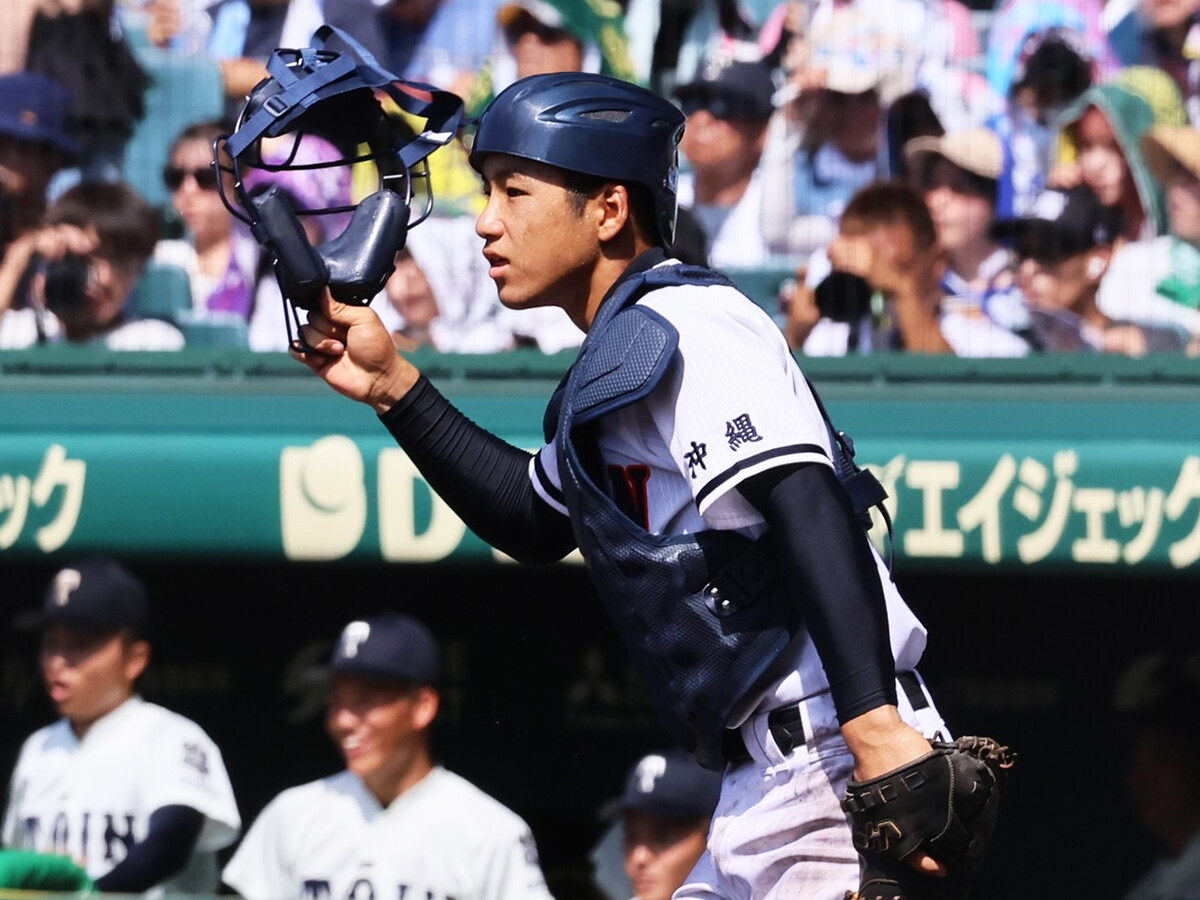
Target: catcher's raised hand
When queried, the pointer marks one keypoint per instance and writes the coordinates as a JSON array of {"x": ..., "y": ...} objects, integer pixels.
[{"x": 351, "y": 349}]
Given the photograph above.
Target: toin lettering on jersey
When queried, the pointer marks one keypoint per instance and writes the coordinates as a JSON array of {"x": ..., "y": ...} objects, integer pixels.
[
  {"x": 364, "y": 889},
  {"x": 66, "y": 838}
]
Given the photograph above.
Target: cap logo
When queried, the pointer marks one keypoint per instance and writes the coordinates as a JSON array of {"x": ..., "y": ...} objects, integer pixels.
[
  {"x": 66, "y": 583},
  {"x": 648, "y": 771},
  {"x": 29, "y": 117},
  {"x": 1049, "y": 206},
  {"x": 714, "y": 65},
  {"x": 353, "y": 636}
]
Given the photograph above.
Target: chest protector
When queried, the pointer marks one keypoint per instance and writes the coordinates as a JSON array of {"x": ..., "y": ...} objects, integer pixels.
[{"x": 699, "y": 613}]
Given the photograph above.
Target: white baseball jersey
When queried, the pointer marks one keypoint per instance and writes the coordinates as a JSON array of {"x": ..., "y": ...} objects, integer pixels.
[
  {"x": 736, "y": 405},
  {"x": 91, "y": 799},
  {"x": 442, "y": 839}
]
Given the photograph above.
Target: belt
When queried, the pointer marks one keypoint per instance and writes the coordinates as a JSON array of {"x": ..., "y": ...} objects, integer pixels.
[{"x": 787, "y": 725}]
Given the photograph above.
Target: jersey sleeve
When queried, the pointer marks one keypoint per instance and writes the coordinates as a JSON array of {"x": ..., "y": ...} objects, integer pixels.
[
  {"x": 186, "y": 769},
  {"x": 259, "y": 869},
  {"x": 546, "y": 479},
  {"x": 736, "y": 403},
  {"x": 514, "y": 872},
  {"x": 9, "y": 832}
]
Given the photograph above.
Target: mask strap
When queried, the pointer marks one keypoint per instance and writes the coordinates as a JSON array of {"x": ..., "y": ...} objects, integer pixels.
[{"x": 297, "y": 96}]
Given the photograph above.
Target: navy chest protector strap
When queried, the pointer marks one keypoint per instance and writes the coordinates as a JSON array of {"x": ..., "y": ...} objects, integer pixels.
[{"x": 703, "y": 615}]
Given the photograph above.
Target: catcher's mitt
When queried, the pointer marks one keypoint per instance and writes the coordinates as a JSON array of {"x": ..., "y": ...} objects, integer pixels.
[{"x": 943, "y": 804}]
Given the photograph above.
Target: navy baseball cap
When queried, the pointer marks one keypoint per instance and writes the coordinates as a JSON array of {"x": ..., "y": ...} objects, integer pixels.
[
  {"x": 33, "y": 108},
  {"x": 393, "y": 647},
  {"x": 97, "y": 594},
  {"x": 668, "y": 785},
  {"x": 1060, "y": 223},
  {"x": 729, "y": 89}
]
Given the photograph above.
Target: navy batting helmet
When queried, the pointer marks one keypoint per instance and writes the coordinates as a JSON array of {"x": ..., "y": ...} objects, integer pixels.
[{"x": 591, "y": 124}]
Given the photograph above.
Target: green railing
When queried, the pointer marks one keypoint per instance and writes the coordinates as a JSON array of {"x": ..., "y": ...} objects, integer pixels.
[{"x": 1055, "y": 461}]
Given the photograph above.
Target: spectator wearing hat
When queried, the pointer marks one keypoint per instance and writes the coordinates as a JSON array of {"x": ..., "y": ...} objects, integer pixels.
[
  {"x": 1158, "y": 715},
  {"x": 879, "y": 286},
  {"x": 1169, "y": 36},
  {"x": 830, "y": 139},
  {"x": 34, "y": 145},
  {"x": 1099, "y": 146},
  {"x": 728, "y": 107},
  {"x": 537, "y": 37},
  {"x": 1041, "y": 56},
  {"x": 1064, "y": 245},
  {"x": 958, "y": 175},
  {"x": 662, "y": 819},
  {"x": 1157, "y": 281},
  {"x": 136, "y": 794},
  {"x": 393, "y": 823}
]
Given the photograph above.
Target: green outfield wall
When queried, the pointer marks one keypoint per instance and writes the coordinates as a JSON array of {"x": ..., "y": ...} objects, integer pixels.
[{"x": 1055, "y": 462}]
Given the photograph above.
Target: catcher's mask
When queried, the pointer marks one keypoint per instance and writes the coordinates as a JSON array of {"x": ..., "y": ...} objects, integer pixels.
[{"x": 333, "y": 96}]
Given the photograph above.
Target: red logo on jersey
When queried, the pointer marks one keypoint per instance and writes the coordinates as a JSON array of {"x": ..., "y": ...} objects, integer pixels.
[{"x": 627, "y": 484}]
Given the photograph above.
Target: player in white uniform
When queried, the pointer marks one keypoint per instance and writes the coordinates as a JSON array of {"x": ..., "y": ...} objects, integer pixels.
[
  {"x": 660, "y": 826},
  {"x": 393, "y": 824},
  {"x": 684, "y": 430},
  {"x": 135, "y": 793}
]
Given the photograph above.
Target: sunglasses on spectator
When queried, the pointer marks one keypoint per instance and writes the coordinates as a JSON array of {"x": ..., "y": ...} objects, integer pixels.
[
  {"x": 527, "y": 24},
  {"x": 174, "y": 177}
]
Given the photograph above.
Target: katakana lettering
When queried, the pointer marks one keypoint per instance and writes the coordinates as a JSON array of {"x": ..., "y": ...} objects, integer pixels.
[
  {"x": 1185, "y": 551},
  {"x": 18, "y": 492},
  {"x": 1095, "y": 504},
  {"x": 741, "y": 431},
  {"x": 14, "y": 500},
  {"x": 1139, "y": 505},
  {"x": 983, "y": 510},
  {"x": 695, "y": 457},
  {"x": 1027, "y": 500},
  {"x": 933, "y": 478},
  {"x": 59, "y": 472}
]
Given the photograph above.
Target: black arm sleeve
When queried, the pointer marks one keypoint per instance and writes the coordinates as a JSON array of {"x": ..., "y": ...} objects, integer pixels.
[
  {"x": 170, "y": 838},
  {"x": 484, "y": 479},
  {"x": 829, "y": 569}
]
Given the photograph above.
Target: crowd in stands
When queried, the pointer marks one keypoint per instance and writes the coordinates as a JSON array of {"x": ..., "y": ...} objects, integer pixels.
[{"x": 917, "y": 175}]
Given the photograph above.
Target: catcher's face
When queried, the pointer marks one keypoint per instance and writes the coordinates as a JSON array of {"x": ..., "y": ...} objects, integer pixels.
[
  {"x": 660, "y": 853},
  {"x": 541, "y": 247},
  {"x": 379, "y": 727},
  {"x": 88, "y": 674}
]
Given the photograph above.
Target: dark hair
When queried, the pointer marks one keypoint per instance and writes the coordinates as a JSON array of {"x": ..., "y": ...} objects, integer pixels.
[
  {"x": 207, "y": 131},
  {"x": 580, "y": 188},
  {"x": 893, "y": 203},
  {"x": 1054, "y": 70},
  {"x": 126, "y": 225}
]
